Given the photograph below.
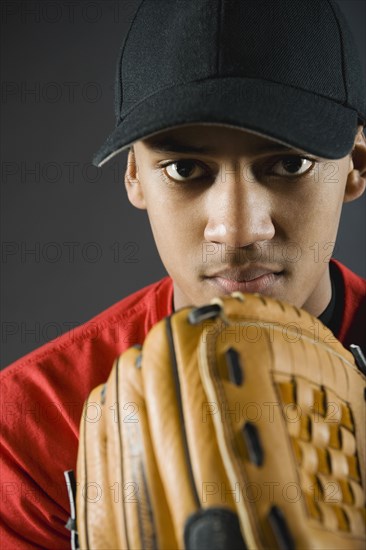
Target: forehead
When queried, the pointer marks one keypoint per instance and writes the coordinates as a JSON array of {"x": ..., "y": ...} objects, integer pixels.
[{"x": 212, "y": 139}]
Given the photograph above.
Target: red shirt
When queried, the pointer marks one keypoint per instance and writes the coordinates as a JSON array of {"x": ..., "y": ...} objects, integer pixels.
[
  {"x": 352, "y": 329},
  {"x": 43, "y": 394}
]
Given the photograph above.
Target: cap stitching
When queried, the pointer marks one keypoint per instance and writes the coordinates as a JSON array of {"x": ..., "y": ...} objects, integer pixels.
[
  {"x": 231, "y": 77},
  {"x": 218, "y": 58},
  {"x": 121, "y": 59},
  {"x": 342, "y": 50}
]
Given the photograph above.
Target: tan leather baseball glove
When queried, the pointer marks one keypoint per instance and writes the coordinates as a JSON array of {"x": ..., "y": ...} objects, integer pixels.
[{"x": 240, "y": 424}]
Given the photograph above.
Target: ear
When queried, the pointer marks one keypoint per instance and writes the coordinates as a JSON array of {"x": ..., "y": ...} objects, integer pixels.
[
  {"x": 356, "y": 180},
  {"x": 132, "y": 183}
]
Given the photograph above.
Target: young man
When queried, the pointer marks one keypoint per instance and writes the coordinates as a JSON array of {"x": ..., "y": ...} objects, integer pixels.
[{"x": 244, "y": 122}]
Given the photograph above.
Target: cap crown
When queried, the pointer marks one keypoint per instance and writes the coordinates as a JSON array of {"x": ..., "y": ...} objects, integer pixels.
[{"x": 306, "y": 44}]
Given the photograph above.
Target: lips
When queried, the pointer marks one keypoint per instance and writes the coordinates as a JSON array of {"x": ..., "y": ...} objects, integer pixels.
[{"x": 251, "y": 279}]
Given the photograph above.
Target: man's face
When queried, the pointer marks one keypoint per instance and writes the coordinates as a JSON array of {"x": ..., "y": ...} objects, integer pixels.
[{"x": 231, "y": 210}]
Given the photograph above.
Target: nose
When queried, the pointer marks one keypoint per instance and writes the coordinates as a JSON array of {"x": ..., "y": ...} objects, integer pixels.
[{"x": 239, "y": 211}]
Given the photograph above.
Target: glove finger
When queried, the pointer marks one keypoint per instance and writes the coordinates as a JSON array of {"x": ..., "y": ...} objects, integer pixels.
[
  {"x": 96, "y": 507},
  {"x": 147, "y": 517},
  {"x": 167, "y": 427},
  {"x": 208, "y": 470}
]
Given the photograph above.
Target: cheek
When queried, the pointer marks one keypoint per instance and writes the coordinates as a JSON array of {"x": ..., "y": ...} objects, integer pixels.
[
  {"x": 316, "y": 209},
  {"x": 176, "y": 222},
  {"x": 328, "y": 200},
  {"x": 313, "y": 221}
]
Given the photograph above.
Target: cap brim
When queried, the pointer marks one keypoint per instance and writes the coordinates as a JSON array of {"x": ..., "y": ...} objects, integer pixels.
[{"x": 291, "y": 116}]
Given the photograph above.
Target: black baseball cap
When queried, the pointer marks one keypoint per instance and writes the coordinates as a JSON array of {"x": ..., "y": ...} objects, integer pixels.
[{"x": 285, "y": 69}]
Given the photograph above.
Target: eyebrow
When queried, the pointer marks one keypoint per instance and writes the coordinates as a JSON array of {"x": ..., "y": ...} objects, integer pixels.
[{"x": 171, "y": 145}]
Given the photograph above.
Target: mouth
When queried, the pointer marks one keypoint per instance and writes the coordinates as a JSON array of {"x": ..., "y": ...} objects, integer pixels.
[{"x": 255, "y": 279}]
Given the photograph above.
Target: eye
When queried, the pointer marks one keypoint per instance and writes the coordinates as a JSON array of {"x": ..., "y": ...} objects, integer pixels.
[
  {"x": 292, "y": 166},
  {"x": 186, "y": 169}
]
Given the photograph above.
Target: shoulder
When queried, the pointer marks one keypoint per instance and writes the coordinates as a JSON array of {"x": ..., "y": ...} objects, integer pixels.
[
  {"x": 356, "y": 283},
  {"x": 354, "y": 305},
  {"x": 59, "y": 375},
  {"x": 42, "y": 398},
  {"x": 125, "y": 322}
]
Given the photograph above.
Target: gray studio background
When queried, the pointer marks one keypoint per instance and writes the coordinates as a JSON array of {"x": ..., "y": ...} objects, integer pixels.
[{"x": 91, "y": 247}]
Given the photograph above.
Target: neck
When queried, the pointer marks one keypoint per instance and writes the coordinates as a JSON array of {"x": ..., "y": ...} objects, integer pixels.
[{"x": 320, "y": 298}]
